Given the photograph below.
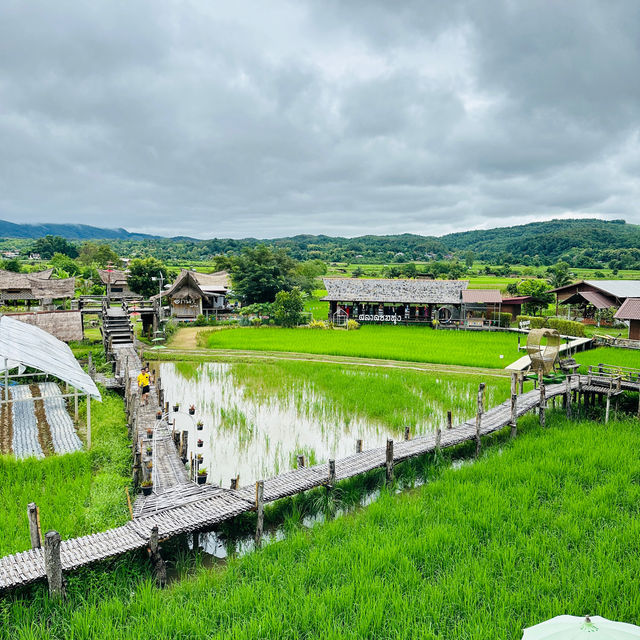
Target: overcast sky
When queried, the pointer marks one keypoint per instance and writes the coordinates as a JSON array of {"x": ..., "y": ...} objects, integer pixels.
[{"x": 274, "y": 118}]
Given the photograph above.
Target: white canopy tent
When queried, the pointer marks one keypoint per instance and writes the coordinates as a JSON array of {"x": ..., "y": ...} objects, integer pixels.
[{"x": 24, "y": 345}]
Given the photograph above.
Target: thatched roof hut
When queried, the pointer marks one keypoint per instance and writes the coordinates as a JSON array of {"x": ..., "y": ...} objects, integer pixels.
[
  {"x": 35, "y": 286},
  {"x": 64, "y": 325}
]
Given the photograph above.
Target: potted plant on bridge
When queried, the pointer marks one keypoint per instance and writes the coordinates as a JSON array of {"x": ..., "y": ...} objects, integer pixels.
[
  {"x": 176, "y": 407},
  {"x": 202, "y": 476},
  {"x": 149, "y": 433},
  {"x": 199, "y": 425},
  {"x": 200, "y": 443},
  {"x": 192, "y": 409},
  {"x": 199, "y": 456},
  {"x": 159, "y": 414},
  {"x": 149, "y": 450},
  {"x": 147, "y": 487}
]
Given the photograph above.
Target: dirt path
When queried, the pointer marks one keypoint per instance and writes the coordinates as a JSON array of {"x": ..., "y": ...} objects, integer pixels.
[{"x": 185, "y": 338}]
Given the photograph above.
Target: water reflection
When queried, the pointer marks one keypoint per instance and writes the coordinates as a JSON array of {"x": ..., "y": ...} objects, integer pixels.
[{"x": 258, "y": 435}]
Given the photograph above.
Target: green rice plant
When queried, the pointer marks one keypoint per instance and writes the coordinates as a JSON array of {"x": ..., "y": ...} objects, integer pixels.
[
  {"x": 547, "y": 524},
  {"x": 610, "y": 356},
  {"x": 418, "y": 344}
]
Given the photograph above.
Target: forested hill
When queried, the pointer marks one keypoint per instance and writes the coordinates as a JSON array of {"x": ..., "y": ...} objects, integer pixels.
[
  {"x": 582, "y": 243},
  {"x": 549, "y": 240},
  {"x": 69, "y": 231}
]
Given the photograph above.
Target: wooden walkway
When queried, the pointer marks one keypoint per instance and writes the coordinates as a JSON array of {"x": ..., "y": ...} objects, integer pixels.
[{"x": 182, "y": 506}]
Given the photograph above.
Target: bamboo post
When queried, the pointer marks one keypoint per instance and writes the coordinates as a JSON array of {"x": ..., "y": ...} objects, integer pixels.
[
  {"x": 521, "y": 381},
  {"x": 332, "y": 473},
  {"x": 389, "y": 461},
  {"x": 300, "y": 461},
  {"x": 589, "y": 375},
  {"x": 543, "y": 398},
  {"x": 234, "y": 482},
  {"x": 438, "y": 439},
  {"x": 184, "y": 442},
  {"x": 359, "y": 442},
  {"x": 159, "y": 567},
  {"x": 607, "y": 407},
  {"x": 449, "y": 420},
  {"x": 259, "y": 511},
  {"x": 479, "y": 417},
  {"x": 129, "y": 502},
  {"x": 567, "y": 396},
  {"x": 75, "y": 405},
  {"x": 53, "y": 564},
  {"x": 407, "y": 433},
  {"x": 88, "y": 421},
  {"x": 514, "y": 404},
  {"x": 34, "y": 529}
]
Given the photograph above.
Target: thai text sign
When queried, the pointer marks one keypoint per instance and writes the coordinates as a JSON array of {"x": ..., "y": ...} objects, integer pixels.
[{"x": 366, "y": 317}]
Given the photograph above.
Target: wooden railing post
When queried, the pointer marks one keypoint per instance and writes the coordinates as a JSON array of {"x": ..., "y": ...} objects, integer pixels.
[
  {"x": 159, "y": 567},
  {"x": 332, "y": 474},
  {"x": 514, "y": 404},
  {"x": 234, "y": 483},
  {"x": 521, "y": 382},
  {"x": 567, "y": 396},
  {"x": 358, "y": 446},
  {"x": 34, "y": 525},
  {"x": 543, "y": 398},
  {"x": 449, "y": 420},
  {"x": 300, "y": 461},
  {"x": 389, "y": 461},
  {"x": 259, "y": 511},
  {"x": 53, "y": 564},
  {"x": 407, "y": 433},
  {"x": 479, "y": 413}
]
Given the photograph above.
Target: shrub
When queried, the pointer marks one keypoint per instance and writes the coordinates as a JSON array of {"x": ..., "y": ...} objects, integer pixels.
[
  {"x": 565, "y": 327},
  {"x": 536, "y": 321},
  {"x": 200, "y": 321},
  {"x": 318, "y": 324},
  {"x": 256, "y": 322},
  {"x": 353, "y": 324},
  {"x": 504, "y": 319}
]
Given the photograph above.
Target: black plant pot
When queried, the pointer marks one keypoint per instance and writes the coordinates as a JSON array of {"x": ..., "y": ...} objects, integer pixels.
[
  {"x": 192, "y": 412},
  {"x": 149, "y": 435},
  {"x": 199, "y": 427},
  {"x": 200, "y": 443},
  {"x": 199, "y": 456},
  {"x": 202, "y": 479},
  {"x": 159, "y": 415},
  {"x": 147, "y": 491},
  {"x": 176, "y": 408}
]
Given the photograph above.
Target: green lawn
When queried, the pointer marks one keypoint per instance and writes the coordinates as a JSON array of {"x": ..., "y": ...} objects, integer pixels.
[
  {"x": 543, "y": 526},
  {"x": 420, "y": 344},
  {"x": 77, "y": 493}
]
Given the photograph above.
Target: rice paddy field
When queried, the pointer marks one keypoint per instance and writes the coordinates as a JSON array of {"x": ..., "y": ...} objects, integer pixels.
[
  {"x": 542, "y": 525},
  {"x": 77, "y": 493},
  {"x": 611, "y": 356},
  {"x": 417, "y": 344},
  {"x": 257, "y": 418}
]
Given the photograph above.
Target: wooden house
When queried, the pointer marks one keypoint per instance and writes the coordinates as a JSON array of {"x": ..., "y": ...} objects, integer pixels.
[
  {"x": 630, "y": 311},
  {"x": 38, "y": 287},
  {"x": 116, "y": 283}
]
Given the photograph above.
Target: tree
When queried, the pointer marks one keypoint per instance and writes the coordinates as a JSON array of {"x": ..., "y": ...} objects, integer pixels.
[
  {"x": 288, "y": 307},
  {"x": 306, "y": 274},
  {"x": 259, "y": 273},
  {"x": 60, "y": 262},
  {"x": 50, "y": 245},
  {"x": 99, "y": 254},
  {"x": 11, "y": 265},
  {"x": 558, "y": 275},
  {"x": 539, "y": 291},
  {"x": 141, "y": 270},
  {"x": 468, "y": 259}
]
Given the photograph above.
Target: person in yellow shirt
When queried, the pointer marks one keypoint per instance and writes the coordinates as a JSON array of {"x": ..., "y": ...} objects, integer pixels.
[{"x": 143, "y": 385}]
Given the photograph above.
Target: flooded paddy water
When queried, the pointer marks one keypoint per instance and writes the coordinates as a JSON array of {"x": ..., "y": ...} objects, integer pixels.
[{"x": 257, "y": 418}]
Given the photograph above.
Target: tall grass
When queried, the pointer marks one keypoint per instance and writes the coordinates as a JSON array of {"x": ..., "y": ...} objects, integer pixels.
[
  {"x": 77, "y": 493},
  {"x": 548, "y": 525},
  {"x": 419, "y": 344}
]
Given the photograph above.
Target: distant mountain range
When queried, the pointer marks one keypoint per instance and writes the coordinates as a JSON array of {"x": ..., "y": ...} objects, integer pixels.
[
  {"x": 69, "y": 231},
  {"x": 582, "y": 242}
]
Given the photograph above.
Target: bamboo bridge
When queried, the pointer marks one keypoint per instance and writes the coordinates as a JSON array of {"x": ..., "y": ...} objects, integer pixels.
[{"x": 180, "y": 506}]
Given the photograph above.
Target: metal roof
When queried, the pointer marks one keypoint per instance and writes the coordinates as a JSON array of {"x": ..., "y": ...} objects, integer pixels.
[
  {"x": 396, "y": 291},
  {"x": 617, "y": 288},
  {"x": 630, "y": 310},
  {"x": 597, "y": 299},
  {"x": 481, "y": 296},
  {"x": 25, "y": 344}
]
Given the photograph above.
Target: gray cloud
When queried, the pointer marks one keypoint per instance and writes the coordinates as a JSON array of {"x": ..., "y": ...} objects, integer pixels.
[{"x": 271, "y": 119}]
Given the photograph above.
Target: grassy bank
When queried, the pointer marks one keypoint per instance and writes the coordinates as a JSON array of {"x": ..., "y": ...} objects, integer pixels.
[
  {"x": 548, "y": 525},
  {"x": 418, "y": 344},
  {"x": 77, "y": 493}
]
